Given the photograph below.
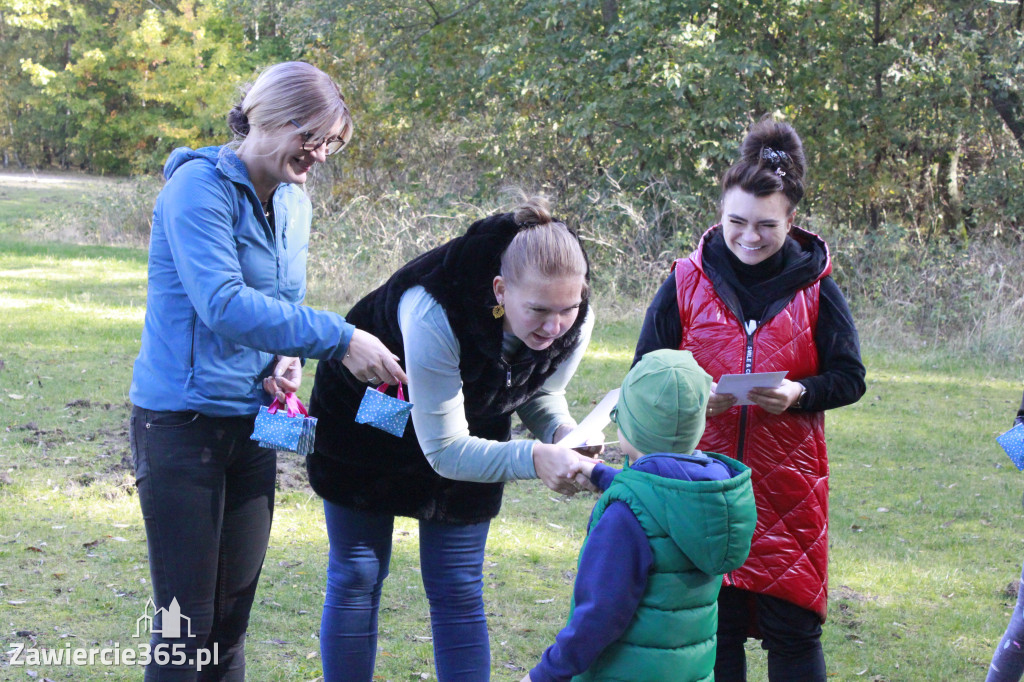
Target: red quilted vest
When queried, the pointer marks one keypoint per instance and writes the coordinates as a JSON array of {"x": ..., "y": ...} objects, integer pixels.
[{"x": 786, "y": 453}]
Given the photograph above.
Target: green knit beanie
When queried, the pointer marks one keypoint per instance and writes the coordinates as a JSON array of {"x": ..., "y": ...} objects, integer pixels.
[{"x": 662, "y": 404}]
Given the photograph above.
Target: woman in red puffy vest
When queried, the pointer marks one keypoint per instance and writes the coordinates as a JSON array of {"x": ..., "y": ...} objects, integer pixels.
[{"x": 756, "y": 296}]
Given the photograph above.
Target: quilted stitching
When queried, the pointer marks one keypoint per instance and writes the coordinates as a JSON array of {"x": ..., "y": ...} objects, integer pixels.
[{"x": 786, "y": 453}]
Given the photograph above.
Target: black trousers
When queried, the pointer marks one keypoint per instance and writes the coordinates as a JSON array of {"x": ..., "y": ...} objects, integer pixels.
[
  {"x": 790, "y": 634},
  {"x": 207, "y": 497}
]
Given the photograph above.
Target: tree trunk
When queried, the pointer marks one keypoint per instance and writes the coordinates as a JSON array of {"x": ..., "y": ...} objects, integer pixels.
[
  {"x": 1008, "y": 106},
  {"x": 610, "y": 14}
]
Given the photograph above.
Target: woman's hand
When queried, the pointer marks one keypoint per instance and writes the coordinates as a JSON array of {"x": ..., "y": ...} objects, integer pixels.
[
  {"x": 719, "y": 402},
  {"x": 286, "y": 377},
  {"x": 370, "y": 360},
  {"x": 593, "y": 448},
  {"x": 777, "y": 400},
  {"x": 559, "y": 468}
]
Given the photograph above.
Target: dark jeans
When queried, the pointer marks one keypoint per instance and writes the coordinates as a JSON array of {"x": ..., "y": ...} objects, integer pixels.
[
  {"x": 790, "y": 634},
  {"x": 451, "y": 565},
  {"x": 1008, "y": 661},
  {"x": 207, "y": 496}
]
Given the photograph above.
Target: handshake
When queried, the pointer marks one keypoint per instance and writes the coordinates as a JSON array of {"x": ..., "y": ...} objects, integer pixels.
[{"x": 566, "y": 471}]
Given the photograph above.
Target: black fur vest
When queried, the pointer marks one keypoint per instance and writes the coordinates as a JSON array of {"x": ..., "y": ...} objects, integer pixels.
[{"x": 358, "y": 466}]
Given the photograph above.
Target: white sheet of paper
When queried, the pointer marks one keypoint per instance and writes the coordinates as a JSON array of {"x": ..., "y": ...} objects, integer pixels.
[
  {"x": 593, "y": 423},
  {"x": 740, "y": 384}
]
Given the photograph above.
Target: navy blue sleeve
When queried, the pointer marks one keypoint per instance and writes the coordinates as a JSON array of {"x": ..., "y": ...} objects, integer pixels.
[
  {"x": 603, "y": 475},
  {"x": 841, "y": 378},
  {"x": 662, "y": 327},
  {"x": 614, "y": 565}
]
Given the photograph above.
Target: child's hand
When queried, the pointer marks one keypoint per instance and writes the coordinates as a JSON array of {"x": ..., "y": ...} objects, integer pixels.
[{"x": 581, "y": 472}]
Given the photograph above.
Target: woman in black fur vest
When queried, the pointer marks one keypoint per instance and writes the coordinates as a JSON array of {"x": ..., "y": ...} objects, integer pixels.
[{"x": 493, "y": 322}]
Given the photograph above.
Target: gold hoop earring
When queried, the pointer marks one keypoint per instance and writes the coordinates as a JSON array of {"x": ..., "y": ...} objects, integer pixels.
[{"x": 498, "y": 311}]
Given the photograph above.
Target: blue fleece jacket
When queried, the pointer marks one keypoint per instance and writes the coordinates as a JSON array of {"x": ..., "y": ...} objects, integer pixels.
[{"x": 225, "y": 290}]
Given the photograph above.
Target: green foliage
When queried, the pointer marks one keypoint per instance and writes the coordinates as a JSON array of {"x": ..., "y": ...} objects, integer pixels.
[
  {"x": 111, "y": 85},
  {"x": 912, "y": 112}
]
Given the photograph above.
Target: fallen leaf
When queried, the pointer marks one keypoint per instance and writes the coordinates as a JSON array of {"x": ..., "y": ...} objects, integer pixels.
[
  {"x": 15, "y": 396},
  {"x": 883, "y": 509},
  {"x": 543, "y": 601}
]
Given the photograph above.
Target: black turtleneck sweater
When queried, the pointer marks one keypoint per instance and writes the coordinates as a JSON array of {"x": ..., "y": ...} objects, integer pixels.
[{"x": 752, "y": 290}]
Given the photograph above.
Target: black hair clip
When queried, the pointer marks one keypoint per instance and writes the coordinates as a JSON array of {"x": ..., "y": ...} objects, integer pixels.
[{"x": 775, "y": 159}]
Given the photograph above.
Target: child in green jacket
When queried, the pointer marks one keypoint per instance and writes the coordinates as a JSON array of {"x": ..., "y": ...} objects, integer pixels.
[{"x": 661, "y": 536}]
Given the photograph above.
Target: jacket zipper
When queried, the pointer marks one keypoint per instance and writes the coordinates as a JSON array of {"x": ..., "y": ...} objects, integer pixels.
[
  {"x": 748, "y": 366},
  {"x": 192, "y": 349},
  {"x": 508, "y": 372}
]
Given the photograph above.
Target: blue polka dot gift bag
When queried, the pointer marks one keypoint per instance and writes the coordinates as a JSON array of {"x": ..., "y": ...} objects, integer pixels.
[
  {"x": 381, "y": 411},
  {"x": 285, "y": 427},
  {"x": 1013, "y": 442}
]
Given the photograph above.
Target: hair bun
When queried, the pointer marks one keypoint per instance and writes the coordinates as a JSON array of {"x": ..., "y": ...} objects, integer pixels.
[
  {"x": 771, "y": 160},
  {"x": 238, "y": 121}
]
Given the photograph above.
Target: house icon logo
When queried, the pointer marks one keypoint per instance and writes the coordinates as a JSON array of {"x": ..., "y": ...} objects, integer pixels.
[{"x": 170, "y": 621}]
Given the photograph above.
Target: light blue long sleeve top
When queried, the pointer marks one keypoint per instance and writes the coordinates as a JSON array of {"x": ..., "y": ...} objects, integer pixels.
[{"x": 435, "y": 389}]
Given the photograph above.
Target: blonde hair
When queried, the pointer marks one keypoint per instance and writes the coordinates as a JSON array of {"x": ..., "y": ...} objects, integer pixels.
[
  {"x": 291, "y": 91},
  {"x": 542, "y": 244}
]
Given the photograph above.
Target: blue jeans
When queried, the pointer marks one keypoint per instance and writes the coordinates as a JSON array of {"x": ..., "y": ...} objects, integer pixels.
[
  {"x": 1008, "y": 661},
  {"x": 207, "y": 497},
  {"x": 451, "y": 564},
  {"x": 791, "y": 634}
]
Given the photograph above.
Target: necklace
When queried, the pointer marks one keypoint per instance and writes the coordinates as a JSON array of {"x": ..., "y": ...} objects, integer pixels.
[{"x": 266, "y": 209}]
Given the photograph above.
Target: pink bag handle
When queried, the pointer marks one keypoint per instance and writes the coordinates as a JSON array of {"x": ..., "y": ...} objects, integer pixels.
[
  {"x": 292, "y": 403},
  {"x": 384, "y": 387}
]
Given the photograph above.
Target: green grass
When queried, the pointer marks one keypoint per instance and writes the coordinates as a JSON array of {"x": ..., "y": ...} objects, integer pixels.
[{"x": 925, "y": 509}]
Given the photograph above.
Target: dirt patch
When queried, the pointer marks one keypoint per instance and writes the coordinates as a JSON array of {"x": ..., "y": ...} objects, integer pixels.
[{"x": 291, "y": 472}]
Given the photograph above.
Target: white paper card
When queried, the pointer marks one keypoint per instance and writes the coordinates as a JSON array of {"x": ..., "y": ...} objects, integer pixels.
[
  {"x": 740, "y": 384},
  {"x": 593, "y": 423}
]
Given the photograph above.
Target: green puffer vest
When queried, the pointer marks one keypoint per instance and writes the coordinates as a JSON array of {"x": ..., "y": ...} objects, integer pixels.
[{"x": 698, "y": 530}]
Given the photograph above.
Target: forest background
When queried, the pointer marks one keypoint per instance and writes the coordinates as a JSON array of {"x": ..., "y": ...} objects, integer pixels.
[{"x": 626, "y": 112}]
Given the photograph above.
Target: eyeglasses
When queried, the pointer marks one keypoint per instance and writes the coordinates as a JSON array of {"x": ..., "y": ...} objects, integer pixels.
[{"x": 334, "y": 145}]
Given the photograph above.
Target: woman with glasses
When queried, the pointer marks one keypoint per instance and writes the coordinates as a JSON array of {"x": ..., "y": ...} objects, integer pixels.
[{"x": 224, "y": 333}]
